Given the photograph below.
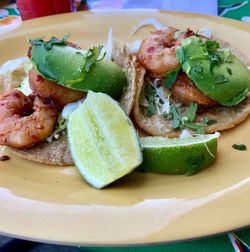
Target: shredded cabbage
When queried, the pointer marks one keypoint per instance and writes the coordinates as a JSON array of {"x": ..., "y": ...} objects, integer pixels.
[
  {"x": 162, "y": 98},
  {"x": 60, "y": 129}
]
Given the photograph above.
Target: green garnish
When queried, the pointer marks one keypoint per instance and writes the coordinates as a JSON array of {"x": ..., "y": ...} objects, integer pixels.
[
  {"x": 198, "y": 127},
  {"x": 149, "y": 93},
  {"x": 60, "y": 128},
  {"x": 179, "y": 121},
  {"x": 176, "y": 117},
  {"x": 53, "y": 41},
  {"x": 92, "y": 57},
  {"x": 241, "y": 147},
  {"x": 210, "y": 48},
  {"x": 210, "y": 45},
  {"x": 191, "y": 112},
  {"x": 170, "y": 78},
  {"x": 229, "y": 70},
  {"x": 189, "y": 117},
  {"x": 208, "y": 121}
]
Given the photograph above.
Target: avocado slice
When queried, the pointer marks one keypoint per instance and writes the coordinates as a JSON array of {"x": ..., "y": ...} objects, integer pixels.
[
  {"x": 78, "y": 69},
  {"x": 216, "y": 72}
]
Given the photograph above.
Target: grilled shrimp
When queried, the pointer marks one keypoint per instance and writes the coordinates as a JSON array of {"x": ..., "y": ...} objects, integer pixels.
[
  {"x": 184, "y": 90},
  {"x": 25, "y": 120},
  {"x": 58, "y": 94},
  {"x": 157, "y": 52}
]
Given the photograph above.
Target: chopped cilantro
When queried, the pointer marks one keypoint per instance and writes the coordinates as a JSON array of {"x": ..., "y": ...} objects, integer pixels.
[
  {"x": 92, "y": 57},
  {"x": 176, "y": 121},
  {"x": 199, "y": 127},
  {"x": 229, "y": 70},
  {"x": 241, "y": 147},
  {"x": 170, "y": 78},
  {"x": 211, "y": 45},
  {"x": 215, "y": 60},
  {"x": 149, "y": 93},
  {"x": 191, "y": 111},
  {"x": 208, "y": 121},
  {"x": 49, "y": 44},
  {"x": 210, "y": 48},
  {"x": 220, "y": 78},
  {"x": 59, "y": 129}
]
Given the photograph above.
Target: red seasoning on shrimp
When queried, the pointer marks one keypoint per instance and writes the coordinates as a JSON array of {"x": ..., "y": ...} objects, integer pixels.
[{"x": 25, "y": 120}]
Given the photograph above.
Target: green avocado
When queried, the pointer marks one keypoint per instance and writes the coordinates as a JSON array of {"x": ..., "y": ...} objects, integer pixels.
[
  {"x": 216, "y": 72},
  {"x": 73, "y": 68}
]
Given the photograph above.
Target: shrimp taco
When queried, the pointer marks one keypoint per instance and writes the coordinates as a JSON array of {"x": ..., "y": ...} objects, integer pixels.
[
  {"x": 188, "y": 81},
  {"x": 59, "y": 75}
]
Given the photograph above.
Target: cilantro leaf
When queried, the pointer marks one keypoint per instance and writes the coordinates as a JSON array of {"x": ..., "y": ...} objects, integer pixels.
[
  {"x": 199, "y": 127},
  {"x": 170, "y": 78},
  {"x": 210, "y": 48},
  {"x": 208, "y": 121},
  {"x": 229, "y": 70},
  {"x": 241, "y": 147},
  {"x": 92, "y": 57},
  {"x": 50, "y": 43},
  {"x": 176, "y": 117},
  {"x": 60, "y": 128},
  {"x": 149, "y": 93},
  {"x": 191, "y": 111}
]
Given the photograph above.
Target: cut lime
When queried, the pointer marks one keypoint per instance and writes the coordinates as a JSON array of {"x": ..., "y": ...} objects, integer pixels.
[
  {"x": 178, "y": 155},
  {"x": 103, "y": 142}
]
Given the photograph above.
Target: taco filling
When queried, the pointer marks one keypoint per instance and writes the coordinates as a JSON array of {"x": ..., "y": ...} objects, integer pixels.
[
  {"x": 59, "y": 74},
  {"x": 187, "y": 81}
]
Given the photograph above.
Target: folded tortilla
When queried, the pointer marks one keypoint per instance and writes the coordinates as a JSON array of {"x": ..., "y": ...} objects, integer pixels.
[
  {"x": 225, "y": 117},
  {"x": 57, "y": 152}
]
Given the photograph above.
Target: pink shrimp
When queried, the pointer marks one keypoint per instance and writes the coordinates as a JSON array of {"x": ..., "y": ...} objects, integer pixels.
[
  {"x": 157, "y": 52},
  {"x": 25, "y": 120}
]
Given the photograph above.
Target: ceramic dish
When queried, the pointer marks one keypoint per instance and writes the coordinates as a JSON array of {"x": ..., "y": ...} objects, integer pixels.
[{"x": 54, "y": 204}]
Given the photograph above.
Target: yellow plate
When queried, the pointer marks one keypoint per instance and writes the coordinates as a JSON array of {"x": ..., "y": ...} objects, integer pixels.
[{"x": 54, "y": 204}]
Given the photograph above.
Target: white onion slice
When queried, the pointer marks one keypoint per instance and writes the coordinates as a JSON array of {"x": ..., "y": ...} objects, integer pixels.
[
  {"x": 146, "y": 22},
  {"x": 134, "y": 48},
  {"x": 70, "y": 107},
  {"x": 108, "y": 47}
]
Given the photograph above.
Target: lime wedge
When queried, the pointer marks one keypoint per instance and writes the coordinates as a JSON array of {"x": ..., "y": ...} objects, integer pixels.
[
  {"x": 178, "y": 155},
  {"x": 103, "y": 142}
]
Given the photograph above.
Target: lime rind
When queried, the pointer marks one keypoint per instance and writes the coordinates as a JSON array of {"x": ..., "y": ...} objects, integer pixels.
[
  {"x": 171, "y": 142},
  {"x": 103, "y": 142},
  {"x": 178, "y": 156}
]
